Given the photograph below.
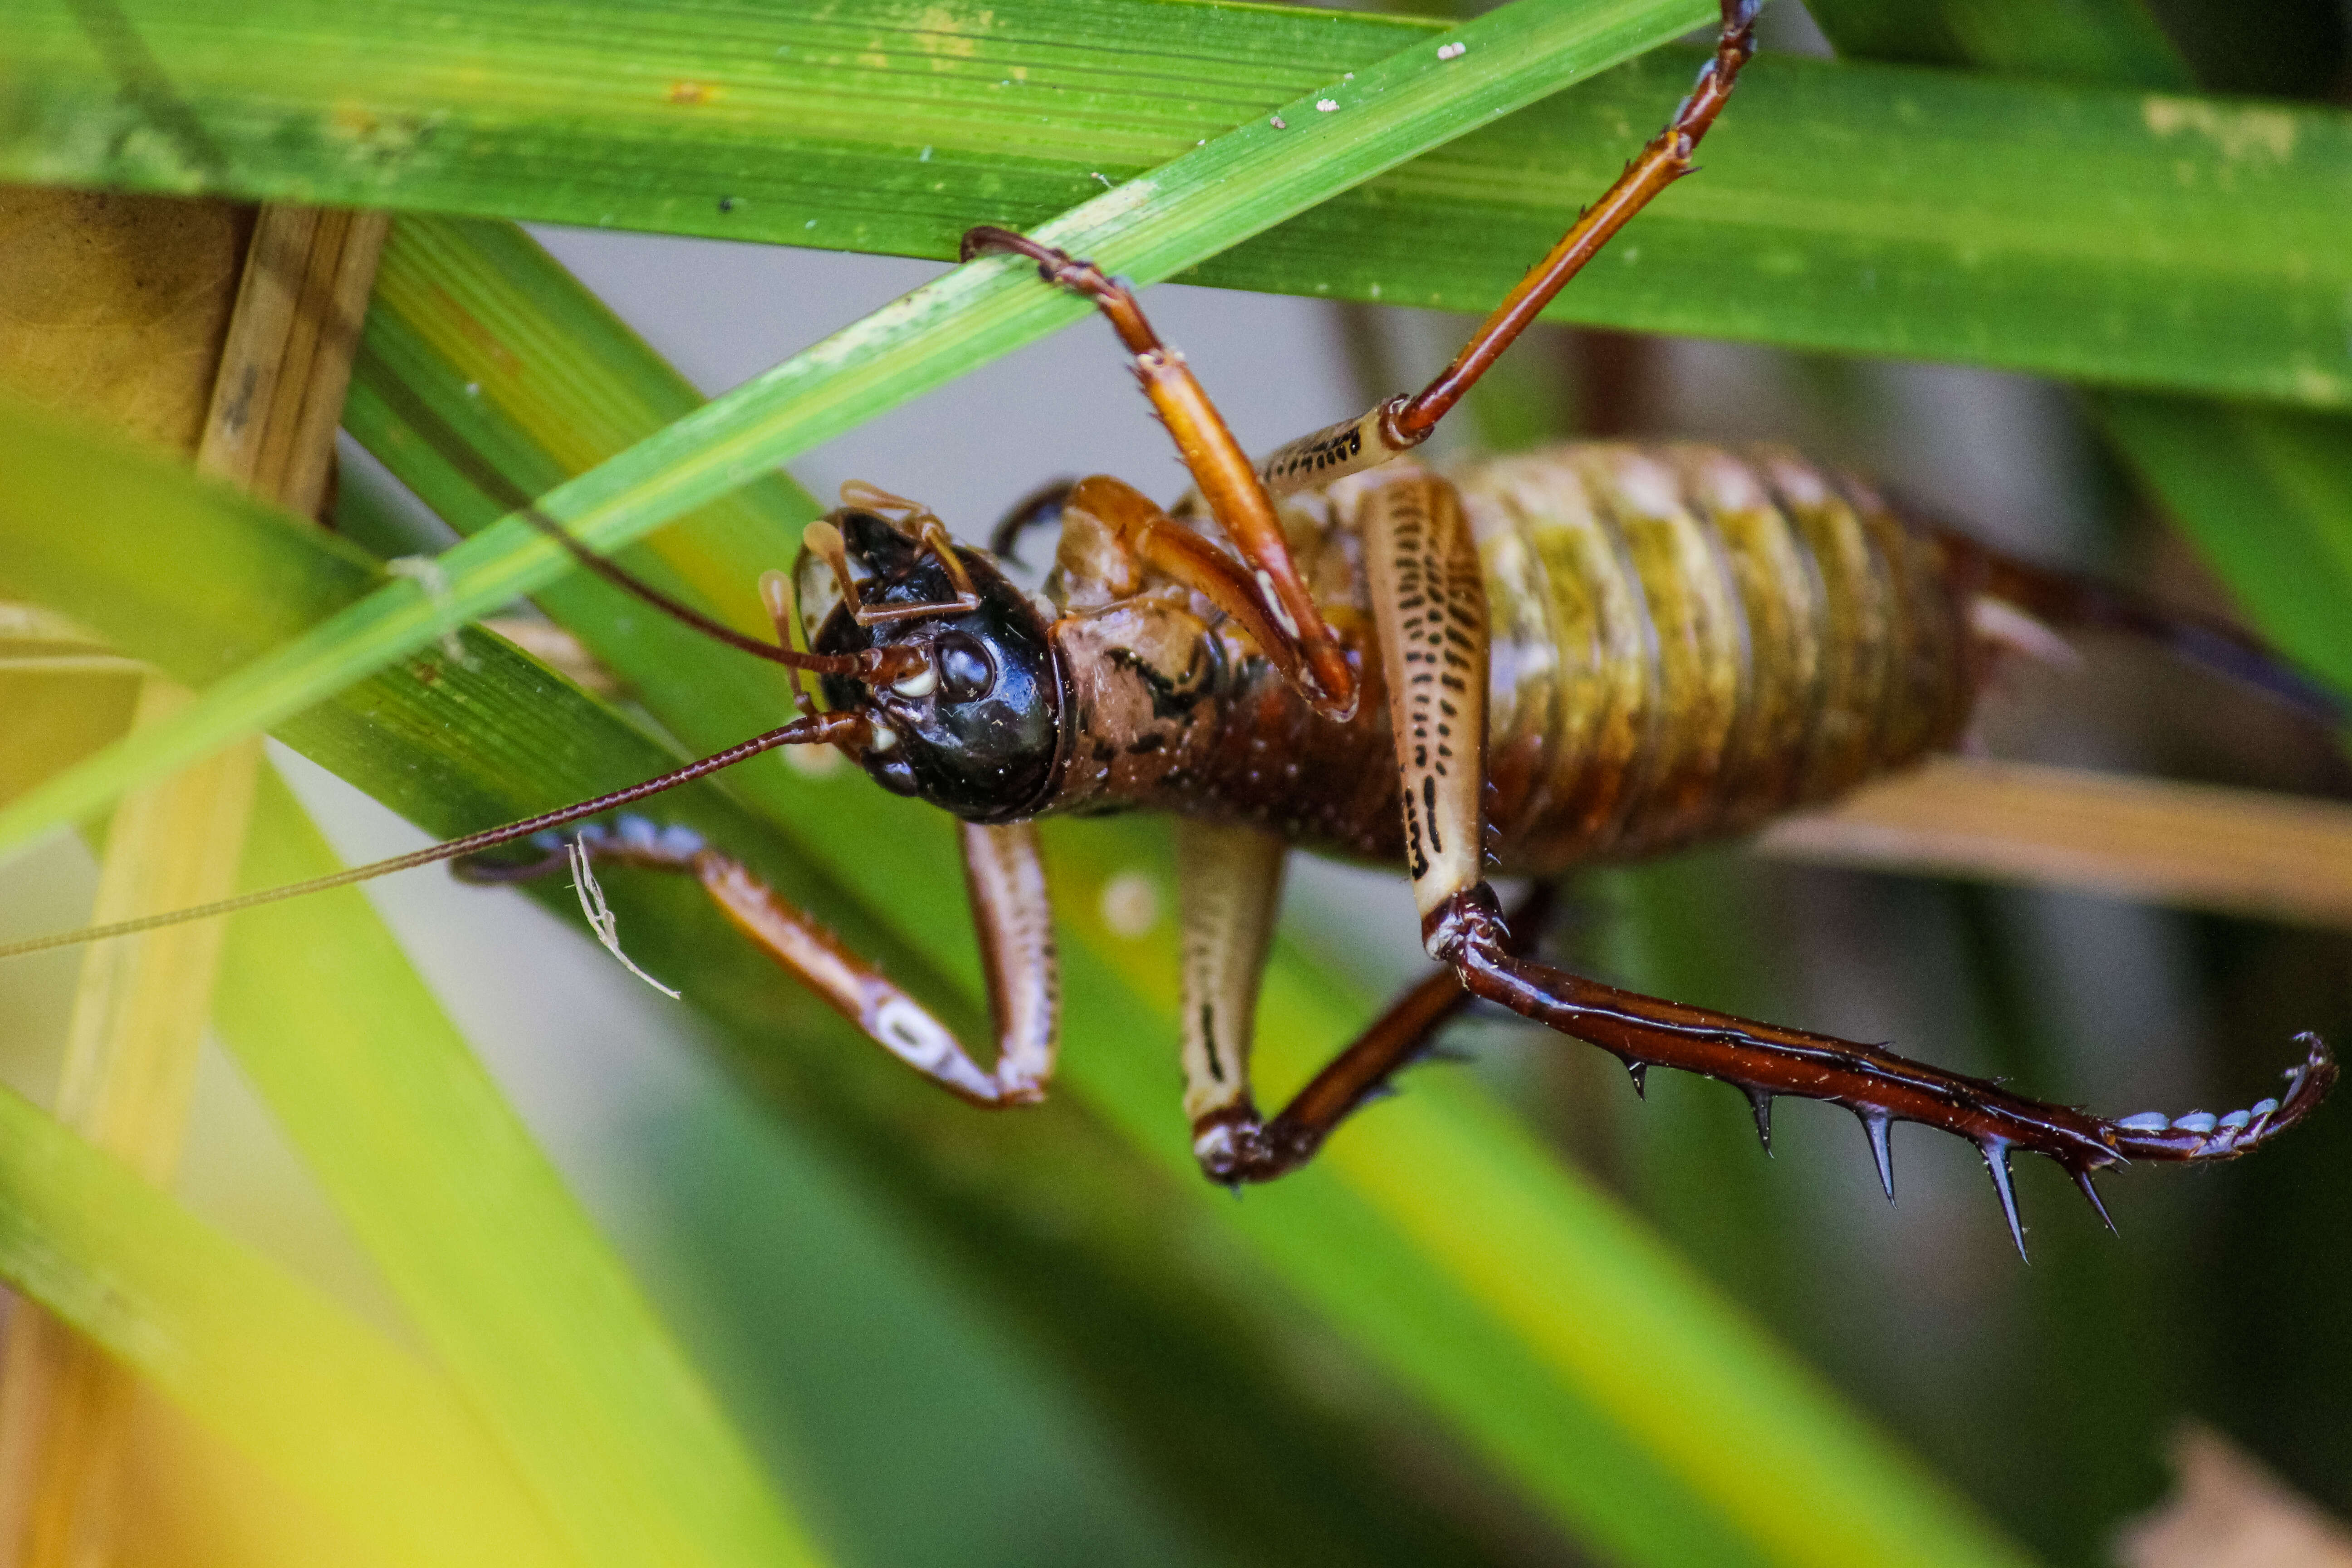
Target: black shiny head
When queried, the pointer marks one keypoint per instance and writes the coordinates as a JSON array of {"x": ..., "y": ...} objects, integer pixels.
[{"x": 976, "y": 730}]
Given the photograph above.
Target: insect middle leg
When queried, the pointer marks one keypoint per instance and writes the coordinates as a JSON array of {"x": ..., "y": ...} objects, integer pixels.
[
  {"x": 1011, "y": 910},
  {"x": 1230, "y": 880}
]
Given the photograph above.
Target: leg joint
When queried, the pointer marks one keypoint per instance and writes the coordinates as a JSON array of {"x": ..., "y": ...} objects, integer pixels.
[{"x": 1468, "y": 923}]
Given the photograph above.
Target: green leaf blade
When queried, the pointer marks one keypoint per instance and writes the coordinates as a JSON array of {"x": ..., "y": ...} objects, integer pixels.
[
  {"x": 503, "y": 1274},
  {"x": 378, "y": 1442},
  {"x": 2161, "y": 241},
  {"x": 1155, "y": 225}
]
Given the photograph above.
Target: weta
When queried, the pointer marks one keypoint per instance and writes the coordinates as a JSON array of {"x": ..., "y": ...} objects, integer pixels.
[{"x": 1591, "y": 653}]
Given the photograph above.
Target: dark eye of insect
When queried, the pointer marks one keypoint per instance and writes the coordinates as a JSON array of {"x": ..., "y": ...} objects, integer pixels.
[{"x": 966, "y": 672}]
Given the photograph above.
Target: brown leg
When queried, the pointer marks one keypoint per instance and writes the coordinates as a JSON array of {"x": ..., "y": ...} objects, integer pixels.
[
  {"x": 1103, "y": 509},
  {"x": 1006, "y": 881},
  {"x": 1429, "y": 605},
  {"x": 1878, "y": 1087},
  {"x": 1302, "y": 646},
  {"x": 1403, "y": 423}
]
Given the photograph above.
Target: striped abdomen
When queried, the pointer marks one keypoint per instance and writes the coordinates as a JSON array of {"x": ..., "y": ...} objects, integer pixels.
[{"x": 1687, "y": 640}]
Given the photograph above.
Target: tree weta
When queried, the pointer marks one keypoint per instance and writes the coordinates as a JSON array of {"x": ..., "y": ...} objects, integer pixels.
[{"x": 1595, "y": 652}]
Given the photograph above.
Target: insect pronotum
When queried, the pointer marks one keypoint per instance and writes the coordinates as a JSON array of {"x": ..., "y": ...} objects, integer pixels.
[{"x": 1590, "y": 652}]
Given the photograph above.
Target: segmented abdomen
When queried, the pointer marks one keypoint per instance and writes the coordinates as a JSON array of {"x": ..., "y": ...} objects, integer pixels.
[{"x": 1686, "y": 641}]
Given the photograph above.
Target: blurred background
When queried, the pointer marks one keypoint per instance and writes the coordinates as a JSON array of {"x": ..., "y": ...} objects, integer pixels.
[{"x": 929, "y": 1426}]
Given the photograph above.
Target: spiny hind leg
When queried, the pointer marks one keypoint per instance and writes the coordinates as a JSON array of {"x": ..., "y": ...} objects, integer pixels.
[
  {"x": 1006, "y": 879},
  {"x": 1429, "y": 606},
  {"x": 1765, "y": 1060}
]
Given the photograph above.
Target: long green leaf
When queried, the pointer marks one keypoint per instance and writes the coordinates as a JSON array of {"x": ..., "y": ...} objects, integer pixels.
[
  {"x": 2267, "y": 496},
  {"x": 503, "y": 1274},
  {"x": 1173, "y": 218},
  {"x": 2193, "y": 244},
  {"x": 2265, "y": 493},
  {"x": 374, "y": 1438},
  {"x": 1510, "y": 1324}
]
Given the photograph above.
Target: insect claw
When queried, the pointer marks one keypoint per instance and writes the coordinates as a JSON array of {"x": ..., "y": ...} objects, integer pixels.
[
  {"x": 2081, "y": 1175},
  {"x": 1995, "y": 1157},
  {"x": 1874, "y": 1127},
  {"x": 1762, "y": 1102},
  {"x": 1640, "y": 1073}
]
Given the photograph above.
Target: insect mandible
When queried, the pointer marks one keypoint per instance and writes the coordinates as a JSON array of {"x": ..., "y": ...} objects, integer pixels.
[{"x": 1594, "y": 652}]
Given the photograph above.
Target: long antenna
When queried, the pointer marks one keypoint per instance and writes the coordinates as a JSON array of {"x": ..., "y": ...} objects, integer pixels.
[
  {"x": 814, "y": 730},
  {"x": 880, "y": 663},
  {"x": 875, "y": 665}
]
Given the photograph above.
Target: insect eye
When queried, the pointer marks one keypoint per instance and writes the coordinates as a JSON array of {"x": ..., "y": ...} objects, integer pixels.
[{"x": 965, "y": 670}]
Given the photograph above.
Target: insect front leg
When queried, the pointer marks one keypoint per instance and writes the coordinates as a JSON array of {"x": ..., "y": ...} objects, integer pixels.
[
  {"x": 1291, "y": 626},
  {"x": 1006, "y": 881},
  {"x": 1429, "y": 605}
]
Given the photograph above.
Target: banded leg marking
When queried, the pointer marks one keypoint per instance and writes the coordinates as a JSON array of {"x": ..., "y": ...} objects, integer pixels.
[{"x": 1429, "y": 608}]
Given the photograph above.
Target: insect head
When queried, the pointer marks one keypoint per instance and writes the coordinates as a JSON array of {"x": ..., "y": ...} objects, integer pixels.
[{"x": 974, "y": 729}]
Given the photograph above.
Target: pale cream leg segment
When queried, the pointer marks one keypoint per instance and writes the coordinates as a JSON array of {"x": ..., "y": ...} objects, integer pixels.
[
  {"x": 1010, "y": 909},
  {"x": 1229, "y": 884}
]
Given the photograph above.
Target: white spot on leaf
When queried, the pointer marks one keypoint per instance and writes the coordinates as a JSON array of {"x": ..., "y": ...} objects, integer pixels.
[{"x": 2238, "y": 133}]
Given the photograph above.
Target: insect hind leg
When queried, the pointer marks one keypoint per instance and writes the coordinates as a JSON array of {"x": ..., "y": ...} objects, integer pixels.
[{"x": 1765, "y": 1060}]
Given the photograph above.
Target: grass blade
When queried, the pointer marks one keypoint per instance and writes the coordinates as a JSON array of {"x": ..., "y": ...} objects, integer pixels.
[
  {"x": 2267, "y": 496},
  {"x": 376, "y": 1440},
  {"x": 502, "y": 1273},
  {"x": 2265, "y": 493},
  {"x": 1173, "y": 218},
  {"x": 2195, "y": 243},
  {"x": 516, "y": 1292}
]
